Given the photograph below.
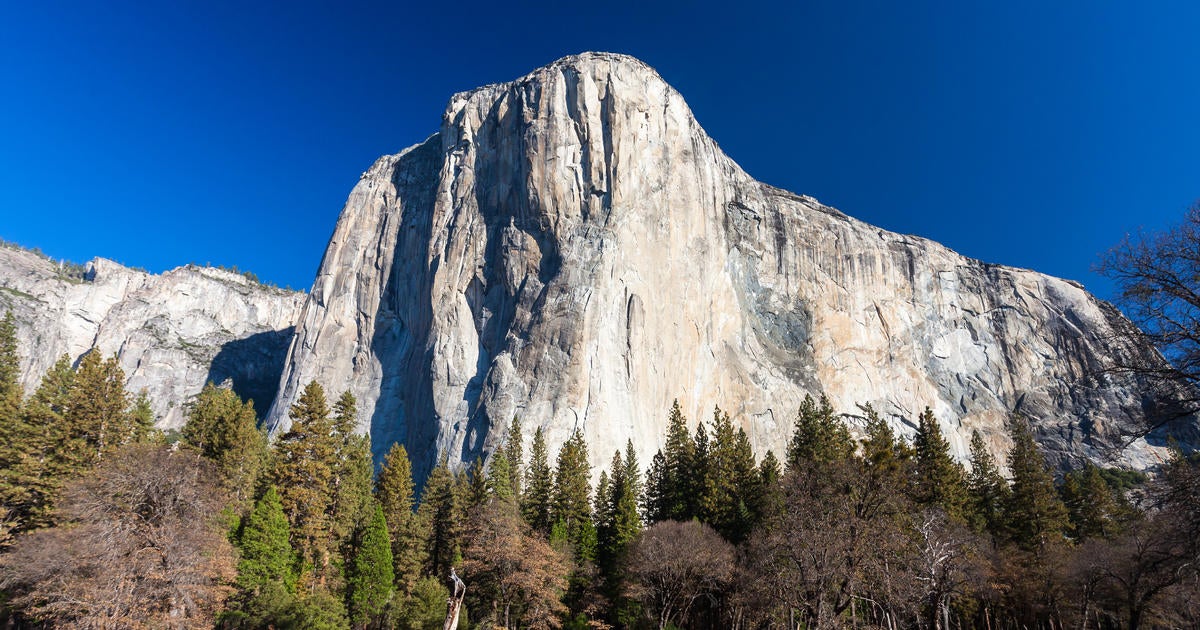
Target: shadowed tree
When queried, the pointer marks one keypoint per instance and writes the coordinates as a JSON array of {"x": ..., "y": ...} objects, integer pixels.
[{"x": 673, "y": 564}]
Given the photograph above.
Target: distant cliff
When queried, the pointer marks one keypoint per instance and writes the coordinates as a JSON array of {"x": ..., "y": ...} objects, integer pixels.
[
  {"x": 572, "y": 248},
  {"x": 172, "y": 332}
]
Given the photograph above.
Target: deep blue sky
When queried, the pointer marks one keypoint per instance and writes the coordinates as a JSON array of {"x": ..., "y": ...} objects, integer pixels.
[{"x": 1027, "y": 133}]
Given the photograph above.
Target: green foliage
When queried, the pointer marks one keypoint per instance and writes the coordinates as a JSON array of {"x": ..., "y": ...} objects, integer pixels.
[
  {"x": 514, "y": 453},
  {"x": 987, "y": 489},
  {"x": 730, "y": 485},
  {"x": 369, "y": 575},
  {"x": 394, "y": 490},
  {"x": 265, "y": 545},
  {"x": 539, "y": 487},
  {"x": 303, "y": 472},
  {"x": 572, "y": 495},
  {"x": 443, "y": 507},
  {"x": 10, "y": 387},
  {"x": 424, "y": 608},
  {"x": 671, "y": 481},
  {"x": 818, "y": 435},
  {"x": 1094, "y": 508},
  {"x": 500, "y": 478},
  {"x": 1034, "y": 515},
  {"x": 96, "y": 417},
  {"x": 353, "y": 472},
  {"x": 224, "y": 429},
  {"x": 938, "y": 480}
]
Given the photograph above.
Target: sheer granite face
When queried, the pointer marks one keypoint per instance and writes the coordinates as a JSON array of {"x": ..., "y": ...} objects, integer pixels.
[{"x": 572, "y": 248}]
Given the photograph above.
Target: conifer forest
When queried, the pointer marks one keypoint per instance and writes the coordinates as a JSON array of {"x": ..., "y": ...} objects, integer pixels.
[{"x": 110, "y": 523}]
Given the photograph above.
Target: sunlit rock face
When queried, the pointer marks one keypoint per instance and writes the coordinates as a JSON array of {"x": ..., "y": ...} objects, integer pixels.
[
  {"x": 573, "y": 249},
  {"x": 171, "y": 332}
]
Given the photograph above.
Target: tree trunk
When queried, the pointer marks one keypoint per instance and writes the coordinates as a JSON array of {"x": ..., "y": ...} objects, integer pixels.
[{"x": 455, "y": 604}]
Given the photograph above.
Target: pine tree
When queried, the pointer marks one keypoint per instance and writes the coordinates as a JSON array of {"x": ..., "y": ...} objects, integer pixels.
[
  {"x": 305, "y": 461},
  {"x": 12, "y": 430},
  {"x": 625, "y": 522},
  {"x": 1034, "y": 515},
  {"x": 987, "y": 488},
  {"x": 500, "y": 478},
  {"x": 224, "y": 429},
  {"x": 679, "y": 469},
  {"x": 572, "y": 495},
  {"x": 768, "y": 498},
  {"x": 539, "y": 487},
  {"x": 1093, "y": 509},
  {"x": 654, "y": 501},
  {"x": 353, "y": 472},
  {"x": 394, "y": 489},
  {"x": 818, "y": 437},
  {"x": 369, "y": 576},
  {"x": 514, "y": 452},
  {"x": 443, "y": 507},
  {"x": 31, "y": 484},
  {"x": 938, "y": 481},
  {"x": 266, "y": 551},
  {"x": 96, "y": 417},
  {"x": 141, "y": 415}
]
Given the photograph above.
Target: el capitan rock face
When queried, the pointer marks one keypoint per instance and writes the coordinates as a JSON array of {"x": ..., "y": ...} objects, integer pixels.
[
  {"x": 572, "y": 248},
  {"x": 171, "y": 332}
]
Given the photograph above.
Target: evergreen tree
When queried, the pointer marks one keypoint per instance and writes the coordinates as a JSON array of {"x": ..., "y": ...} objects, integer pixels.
[
  {"x": 1093, "y": 509},
  {"x": 514, "y": 453},
  {"x": 96, "y": 417},
  {"x": 768, "y": 498},
  {"x": 696, "y": 484},
  {"x": 394, "y": 489},
  {"x": 988, "y": 490},
  {"x": 12, "y": 430},
  {"x": 443, "y": 507},
  {"x": 224, "y": 429},
  {"x": 369, "y": 576},
  {"x": 679, "y": 469},
  {"x": 655, "y": 501},
  {"x": 266, "y": 551},
  {"x": 32, "y": 482},
  {"x": 478, "y": 487},
  {"x": 353, "y": 472},
  {"x": 500, "y": 478},
  {"x": 539, "y": 487},
  {"x": 142, "y": 416},
  {"x": 305, "y": 462},
  {"x": 572, "y": 495},
  {"x": 1034, "y": 515},
  {"x": 818, "y": 437},
  {"x": 938, "y": 479}
]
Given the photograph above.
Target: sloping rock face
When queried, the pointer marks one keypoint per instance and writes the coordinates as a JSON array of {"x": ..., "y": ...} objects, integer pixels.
[
  {"x": 172, "y": 333},
  {"x": 572, "y": 248}
]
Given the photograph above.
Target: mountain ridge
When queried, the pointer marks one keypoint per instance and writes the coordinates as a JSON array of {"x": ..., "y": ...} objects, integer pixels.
[{"x": 517, "y": 263}]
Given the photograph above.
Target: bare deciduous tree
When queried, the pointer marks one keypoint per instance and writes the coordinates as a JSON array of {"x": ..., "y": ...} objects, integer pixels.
[
  {"x": 139, "y": 545},
  {"x": 673, "y": 564}
]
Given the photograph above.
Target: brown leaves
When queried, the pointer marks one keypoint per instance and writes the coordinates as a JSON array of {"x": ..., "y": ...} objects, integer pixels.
[{"x": 139, "y": 546}]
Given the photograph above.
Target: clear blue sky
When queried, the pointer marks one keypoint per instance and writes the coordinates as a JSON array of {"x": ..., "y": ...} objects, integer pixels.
[{"x": 1027, "y": 133}]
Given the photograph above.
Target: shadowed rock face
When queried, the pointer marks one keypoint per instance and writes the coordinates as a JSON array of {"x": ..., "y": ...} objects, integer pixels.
[
  {"x": 171, "y": 332},
  {"x": 572, "y": 248}
]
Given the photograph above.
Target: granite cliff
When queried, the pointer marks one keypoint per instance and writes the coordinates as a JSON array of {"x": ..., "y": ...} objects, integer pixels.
[
  {"x": 572, "y": 248},
  {"x": 172, "y": 332}
]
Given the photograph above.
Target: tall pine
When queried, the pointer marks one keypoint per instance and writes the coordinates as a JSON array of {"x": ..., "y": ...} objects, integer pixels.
[
  {"x": 369, "y": 574},
  {"x": 514, "y": 452},
  {"x": 304, "y": 468},
  {"x": 539, "y": 487},
  {"x": 225, "y": 430},
  {"x": 1033, "y": 513},
  {"x": 572, "y": 496},
  {"x": 818, "y": 436},
  {"x": 395, "y": 492},
  {"x": 987, "y": 487},
  {"x": 938, "y": 480}
]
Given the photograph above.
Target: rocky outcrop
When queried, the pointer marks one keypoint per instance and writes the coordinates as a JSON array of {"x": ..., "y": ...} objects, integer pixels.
[
  {"x": 572, "y": 248},
  {"x": 172, "y": 332}
]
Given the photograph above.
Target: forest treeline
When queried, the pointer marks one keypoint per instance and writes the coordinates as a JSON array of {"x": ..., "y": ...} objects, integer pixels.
[{"x": 108, "y": 523}]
